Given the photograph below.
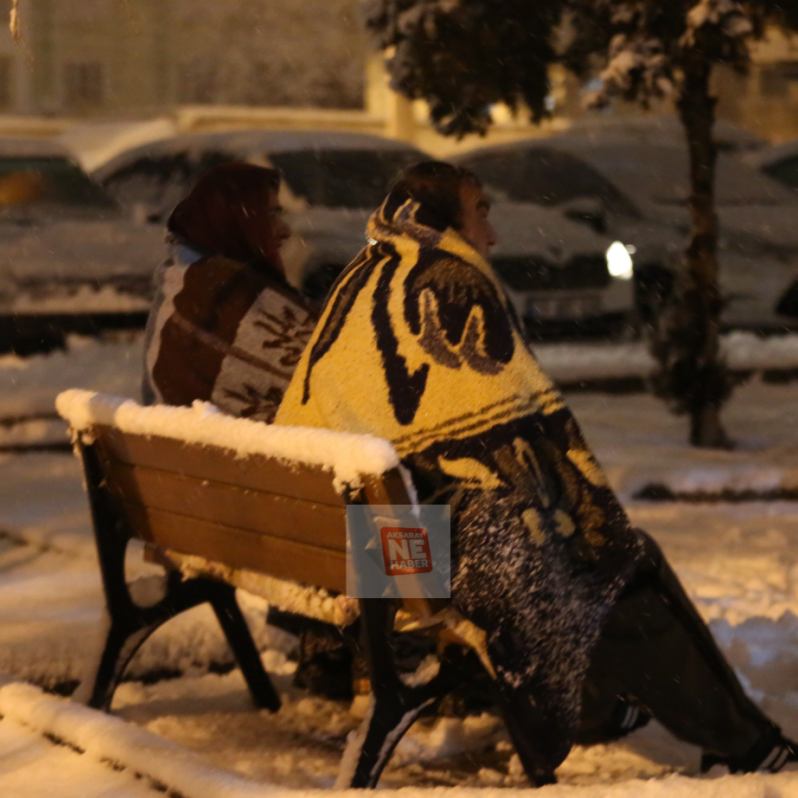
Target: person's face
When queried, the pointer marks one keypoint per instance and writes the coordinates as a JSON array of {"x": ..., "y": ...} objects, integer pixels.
[
  {"x": 275, "y": 214},
  {"x": 271, "y": 230},
  {"x": 474, "y": 225}
]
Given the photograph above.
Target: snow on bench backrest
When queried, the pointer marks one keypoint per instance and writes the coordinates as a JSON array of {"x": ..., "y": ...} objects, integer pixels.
[
  {"x": 301, "y": 541},
  {"x": 347, "y": 456}
]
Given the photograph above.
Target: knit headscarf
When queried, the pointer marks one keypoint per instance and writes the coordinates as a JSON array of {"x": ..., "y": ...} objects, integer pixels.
[{"x": 227, "y": 214}]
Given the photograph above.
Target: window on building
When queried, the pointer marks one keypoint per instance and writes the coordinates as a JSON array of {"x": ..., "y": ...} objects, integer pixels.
[
  {"x": 83, "y": 84},
  {"x": 6, "y": 82},
  {"x": 775, "y": 79}
]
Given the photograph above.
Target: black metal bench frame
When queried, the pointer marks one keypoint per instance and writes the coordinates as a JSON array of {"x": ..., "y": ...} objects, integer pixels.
[{"x": 395, "y": 706}]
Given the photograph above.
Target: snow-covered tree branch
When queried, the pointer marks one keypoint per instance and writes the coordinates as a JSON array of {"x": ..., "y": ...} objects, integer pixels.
[{"x": 462, "y": 56}]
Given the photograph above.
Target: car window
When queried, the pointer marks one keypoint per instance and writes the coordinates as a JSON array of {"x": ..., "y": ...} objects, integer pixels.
[
  {"x": 156, "y": 183},
  {"x": 343, "y": 178},
  {"x": 500, "y": 171},
  {"x": 785, "y": 171},
  {"x": 27, "y": 183},
  {"x": 660, "y": 174},
  {"x": 740, "y": 184},
  {"x": 547, "y": 177}
]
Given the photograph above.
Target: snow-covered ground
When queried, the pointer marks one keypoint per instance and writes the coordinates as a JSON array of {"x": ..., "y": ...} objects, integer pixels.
[
  {"x": 28, "y": 386},
  {"x": 198, "y": 735}
]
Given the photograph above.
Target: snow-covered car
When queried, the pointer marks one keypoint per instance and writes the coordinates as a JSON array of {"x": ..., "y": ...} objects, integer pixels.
[
  {"x": 555, "y": 270},
  {"x": 562, "y": 276},
  {"x": 70, "y": 260},
  {"x": 635, "y": 190},
  {"x": 659, "y": 129},
  {"x": 779, "y": 162},
  {"x": 333, "y": 182}
]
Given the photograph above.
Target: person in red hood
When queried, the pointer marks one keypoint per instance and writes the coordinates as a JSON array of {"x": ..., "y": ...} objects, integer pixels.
[{"x": 225, "y": 326}]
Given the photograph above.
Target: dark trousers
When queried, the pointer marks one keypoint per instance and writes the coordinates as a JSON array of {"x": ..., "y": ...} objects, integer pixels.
[{"x": 656, "y": 651}]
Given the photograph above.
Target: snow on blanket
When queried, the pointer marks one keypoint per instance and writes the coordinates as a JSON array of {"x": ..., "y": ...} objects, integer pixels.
[
  {"x": 348, "y": 456},
  {"x": 172, "y": 768}
]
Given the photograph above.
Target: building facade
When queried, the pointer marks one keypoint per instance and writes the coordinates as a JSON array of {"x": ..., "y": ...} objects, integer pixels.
[
  {"x": 766, "y": 99},
  {"x": 141, "y": 57}
]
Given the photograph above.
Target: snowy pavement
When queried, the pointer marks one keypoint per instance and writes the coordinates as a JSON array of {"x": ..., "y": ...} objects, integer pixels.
[
  {"x": 28, "y": 386},
  {"x": 739, "y": 562}
]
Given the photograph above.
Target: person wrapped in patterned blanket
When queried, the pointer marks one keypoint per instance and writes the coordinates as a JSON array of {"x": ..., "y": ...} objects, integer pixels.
[
  {"x": 225, "y": 326},
  {"x": 419, "y": 344}
]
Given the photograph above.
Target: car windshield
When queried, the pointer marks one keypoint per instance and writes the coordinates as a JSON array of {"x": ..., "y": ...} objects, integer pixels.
[
  {"x": 785, "y": 171},
  {"x": 343, "y": 178},
  {"x": 39, "y": 183},
  {"x": 157, "y": 182},
  {"x": 659, "y": 174},
  {"x": 545, "y": 177}
]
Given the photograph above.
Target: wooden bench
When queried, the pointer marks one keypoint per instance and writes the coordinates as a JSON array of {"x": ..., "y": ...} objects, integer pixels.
[{"x": 226, "y": 503}]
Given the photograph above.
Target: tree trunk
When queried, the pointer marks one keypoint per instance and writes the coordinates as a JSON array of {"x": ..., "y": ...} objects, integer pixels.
[
  {"x": 701, "y": 375},
  {"x": 706, "y": 428}
]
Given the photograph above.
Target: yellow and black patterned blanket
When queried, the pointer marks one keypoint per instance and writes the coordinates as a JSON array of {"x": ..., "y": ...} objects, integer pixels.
[{"x": 419, "y": 344}]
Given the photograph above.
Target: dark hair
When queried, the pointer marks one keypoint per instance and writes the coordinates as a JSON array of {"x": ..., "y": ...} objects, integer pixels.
[
  {"x": 435, "y": 185},
  {"x": 224, "y": 212}
]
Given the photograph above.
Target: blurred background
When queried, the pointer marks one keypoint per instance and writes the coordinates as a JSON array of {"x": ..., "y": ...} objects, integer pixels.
[
  {"x": 139, "y": 98},
  {"x": 110, "y": 110}
]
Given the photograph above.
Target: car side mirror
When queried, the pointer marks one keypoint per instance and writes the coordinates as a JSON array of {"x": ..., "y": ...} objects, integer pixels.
[{"x": 587, "y": 210}]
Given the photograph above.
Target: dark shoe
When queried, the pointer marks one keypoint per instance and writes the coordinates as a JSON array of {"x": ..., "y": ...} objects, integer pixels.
[
  {"x": 769, "y": 755},
  {"x": 626, "y": 717},
  {"x": 629, "y": 716}
]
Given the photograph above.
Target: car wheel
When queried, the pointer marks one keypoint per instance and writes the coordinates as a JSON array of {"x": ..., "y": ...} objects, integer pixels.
[
  {"x": 628, "y": 328},
  {"x": 788, "y": 304},
  {"x": 653, "y": 287}
]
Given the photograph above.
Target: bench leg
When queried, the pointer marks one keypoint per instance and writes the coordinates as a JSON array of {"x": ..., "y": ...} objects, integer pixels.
[
  {"x": 369, "y": 751},
  {"x": 99, "y": 684},
  {"x": 394, "y": 707},
  {"x": 131, "y": 625},
  {"x": 240, "y": 641}
]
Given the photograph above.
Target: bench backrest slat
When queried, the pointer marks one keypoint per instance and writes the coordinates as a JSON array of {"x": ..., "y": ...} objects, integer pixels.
[
  {"x": 240, "y": 548},
  {"x": 219, "y": 465},
  {"x": 257, "y": 513},
  {"x": 245, "y": 508}
]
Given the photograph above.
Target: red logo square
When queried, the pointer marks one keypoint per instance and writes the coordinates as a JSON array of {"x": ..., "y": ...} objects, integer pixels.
[{"x": 405, "y": 550}]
